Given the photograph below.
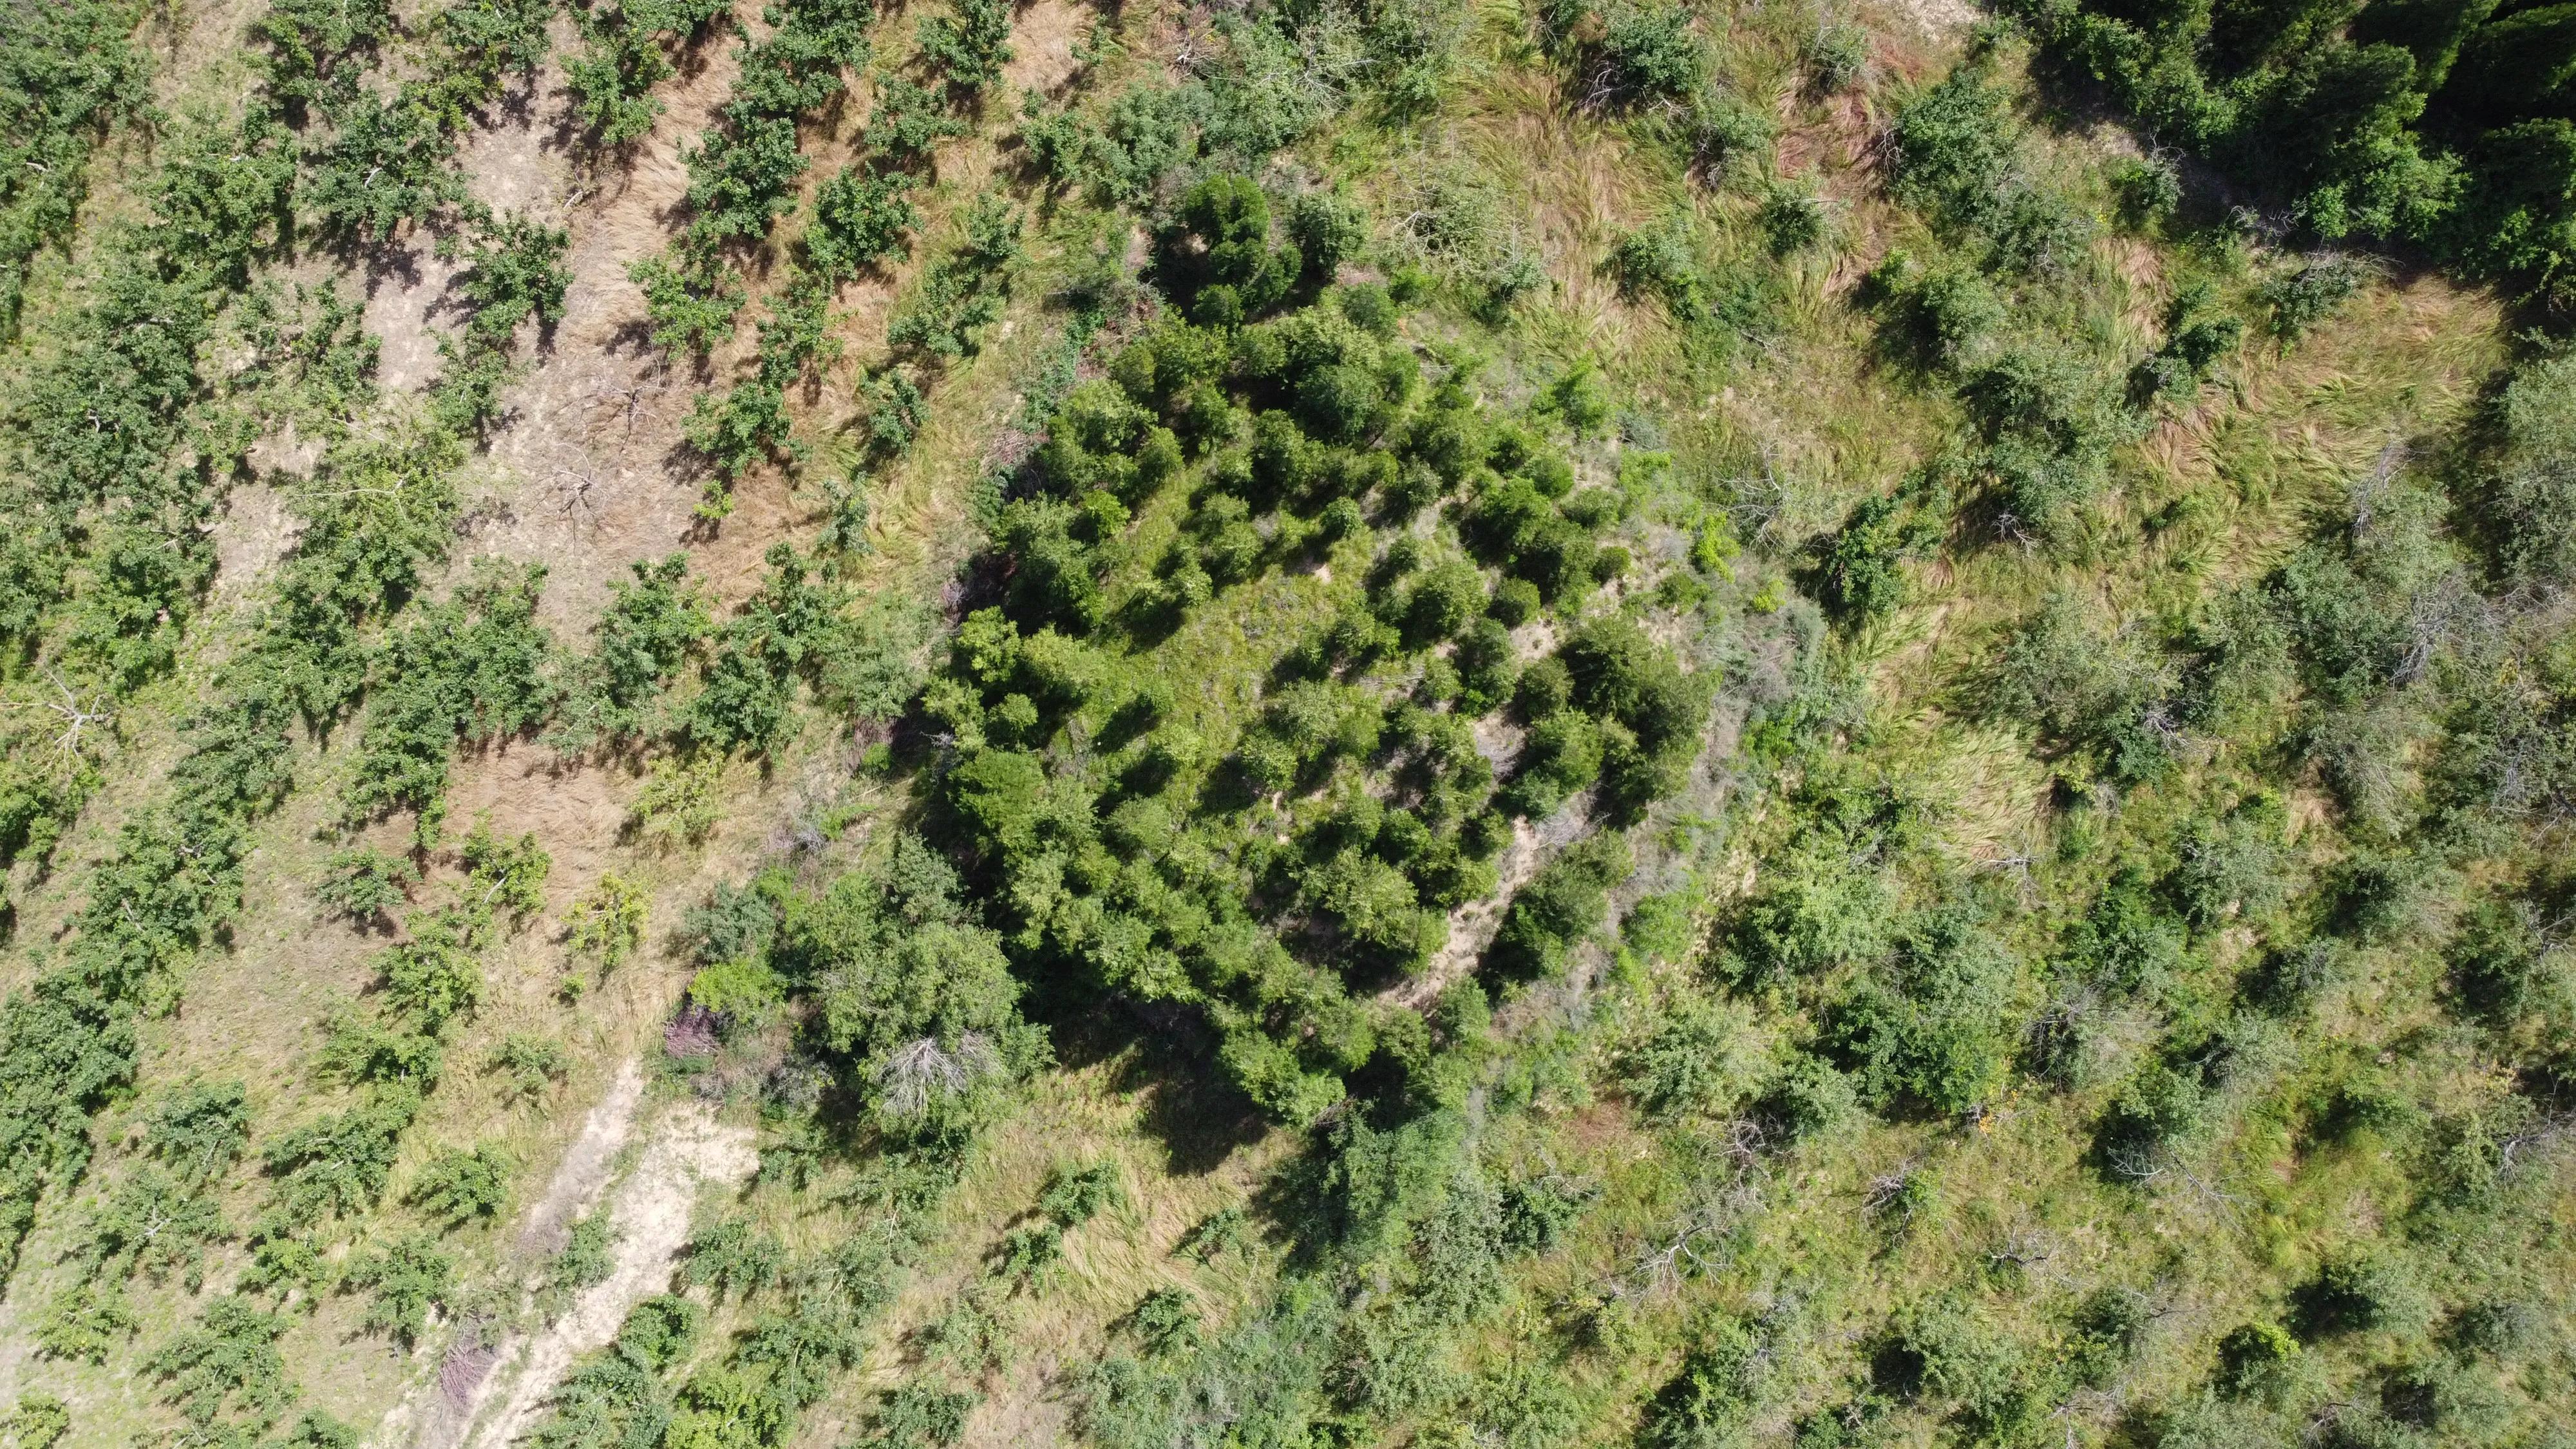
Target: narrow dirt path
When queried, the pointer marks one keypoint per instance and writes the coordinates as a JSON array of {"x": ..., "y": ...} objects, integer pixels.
[{"x": 487, "y": 1399}]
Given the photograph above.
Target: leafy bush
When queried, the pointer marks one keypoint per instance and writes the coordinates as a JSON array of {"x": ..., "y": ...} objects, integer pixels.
[
  {"x": 2300, "y": 299},
  {"x": 225, "y": 1370},
  {"x": 1560, "y": 905},
  {"x": 739, "y": 430},
  {"x": 528, "y": 1065},
  {"x": 741, "y": 177},
  {"x": 654, "y": 624},
  {"x": 970, "y": 45},
  {"x": 475, "y": 668},
  {"x": 1939, "y": 1035},
  {"x": 338, "y": 1166},
  {"x": 86, "y": 1324},
  {"x": 679, "y": 803},
  {"x": 1699, "y": 1058},
  {"x": 403, "y": 1280},
  {"x": 731, "y": 1256},
  {"x": 458, "y": 1186},
  {"x": 690, "y": 307},
  {"x": 861, "y": 219},
  {"x": 607, "y": 921},
  {"x": 1075, "y": 1195},
  {"x": 1648, "y": 54},
  {"x": 919, "y": 1415},
  {"x": 1714, "y": 1392},
  {"x": 37, "y": 1421},
  {"x": 2359, "y": 1293},
  {"x": 962, "y": 292},
  {"x": 2255, "y": 1360},
  {"x": 1856, "y": 575},
  {"x": 364, "y": 884},
  {"x": 1836, "y": 55}
]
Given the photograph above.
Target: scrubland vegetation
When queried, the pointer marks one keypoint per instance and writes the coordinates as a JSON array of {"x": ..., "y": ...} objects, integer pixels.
[{"x": 1541, "y": 724}]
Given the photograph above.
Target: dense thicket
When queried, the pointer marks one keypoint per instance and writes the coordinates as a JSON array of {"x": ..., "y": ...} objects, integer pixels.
[{"x": 2445, "y": 123}]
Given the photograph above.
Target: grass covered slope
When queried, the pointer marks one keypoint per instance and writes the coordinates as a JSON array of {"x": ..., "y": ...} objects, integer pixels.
[{"x": 1576, "y": 724}]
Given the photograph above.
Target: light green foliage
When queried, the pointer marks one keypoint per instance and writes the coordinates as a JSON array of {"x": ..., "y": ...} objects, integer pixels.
[
  {"x": 679, "y": 804},
  {"x": 504, "y": 876},
  {"x": 1698, "y": 1058},
  {"x": 528, "y": 1065},
  {"x": 943, "y": 317},
  {"x": 606, "y": 922},
  {"x": 338, "y": 1166},
  {"x": 861, "y": 220},
  {"x": 968, "y": 46},
  {"x": 37, "y": 1421},
  {"x": 154, "y": 1224},
  {"x": 731, "y": 1256},
  {"x": 655, "y": 624},
  {"x": 437, "y": 974},
  {"x": 403, "y": 1280},
  {"x": 624, "y": 54},
  {"x": 365, "y": 884},
  {"x": 919, "y": 1415},
  {"x": 916, "y": 996},
  {"x": 1939, "y": 1034},
  {"x": 1075, "y": 1195},
  {"x": 85, "y": 1322},
  {"x": 585, "y": 1261},
  {"x": 472, "y": 668},
  {"x": 691, "y": 308},
  {"x": 225, "y": 1371},
  {"x": 460, "y": 1185}
]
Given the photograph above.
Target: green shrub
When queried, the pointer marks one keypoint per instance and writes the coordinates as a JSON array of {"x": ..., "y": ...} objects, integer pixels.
[
  {"x": 1713, "y": 1394},
  {"x": 1793, "y": 220},
  {"x": 737, "y": 431},
  {"x": 860, "y": 220},
  {"x": 2299, "y": 300},
  {"x": 1557, "y": 908},
  {"x": 364, "y": 884},
  {"x": 1835, "y": 56},
  {"x": 906, "y": 122},
  {"x": 731, "y": 1256},
  {"x": 2255, "y": 1360},
  {"x": 2530, "y": 506},
  {"x": 458, "y": 1186},
  {"x": 1939, "y": 1033},
  {"x": 2359, "y": 1293},
  {"x": 1217, "y": 252},
  {"x": 2160, "y": 1113},
  {"x": 1075, "y": 1195},
  {"x": 970, "y": 46},
  {"x": 403, "y": 1280},
  {"x": 741, "y": 176},
  {"x": 1699, "y": 1058},
  {"x": 85, "y": 1324},
  {"x": 2147, "y": 189},
  {"x": 226, "y": 1369},
  {"x": 37, "y": 1421},
  {"x": 1648, "y": 54},
  {"x": 1856, "y": 574},
  {"x": 1660, "y": 263},
  {"x": 528, "y": 1065},
  {"x": 1807, "y": 1099},
  {"x": 690, "y": 307},
  {"x": 919, "y": 1415},
  {"x": 607, "y": 921},
  {"x": 1166, "y": 1322},
  {"x": 962, "y": 293}
]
